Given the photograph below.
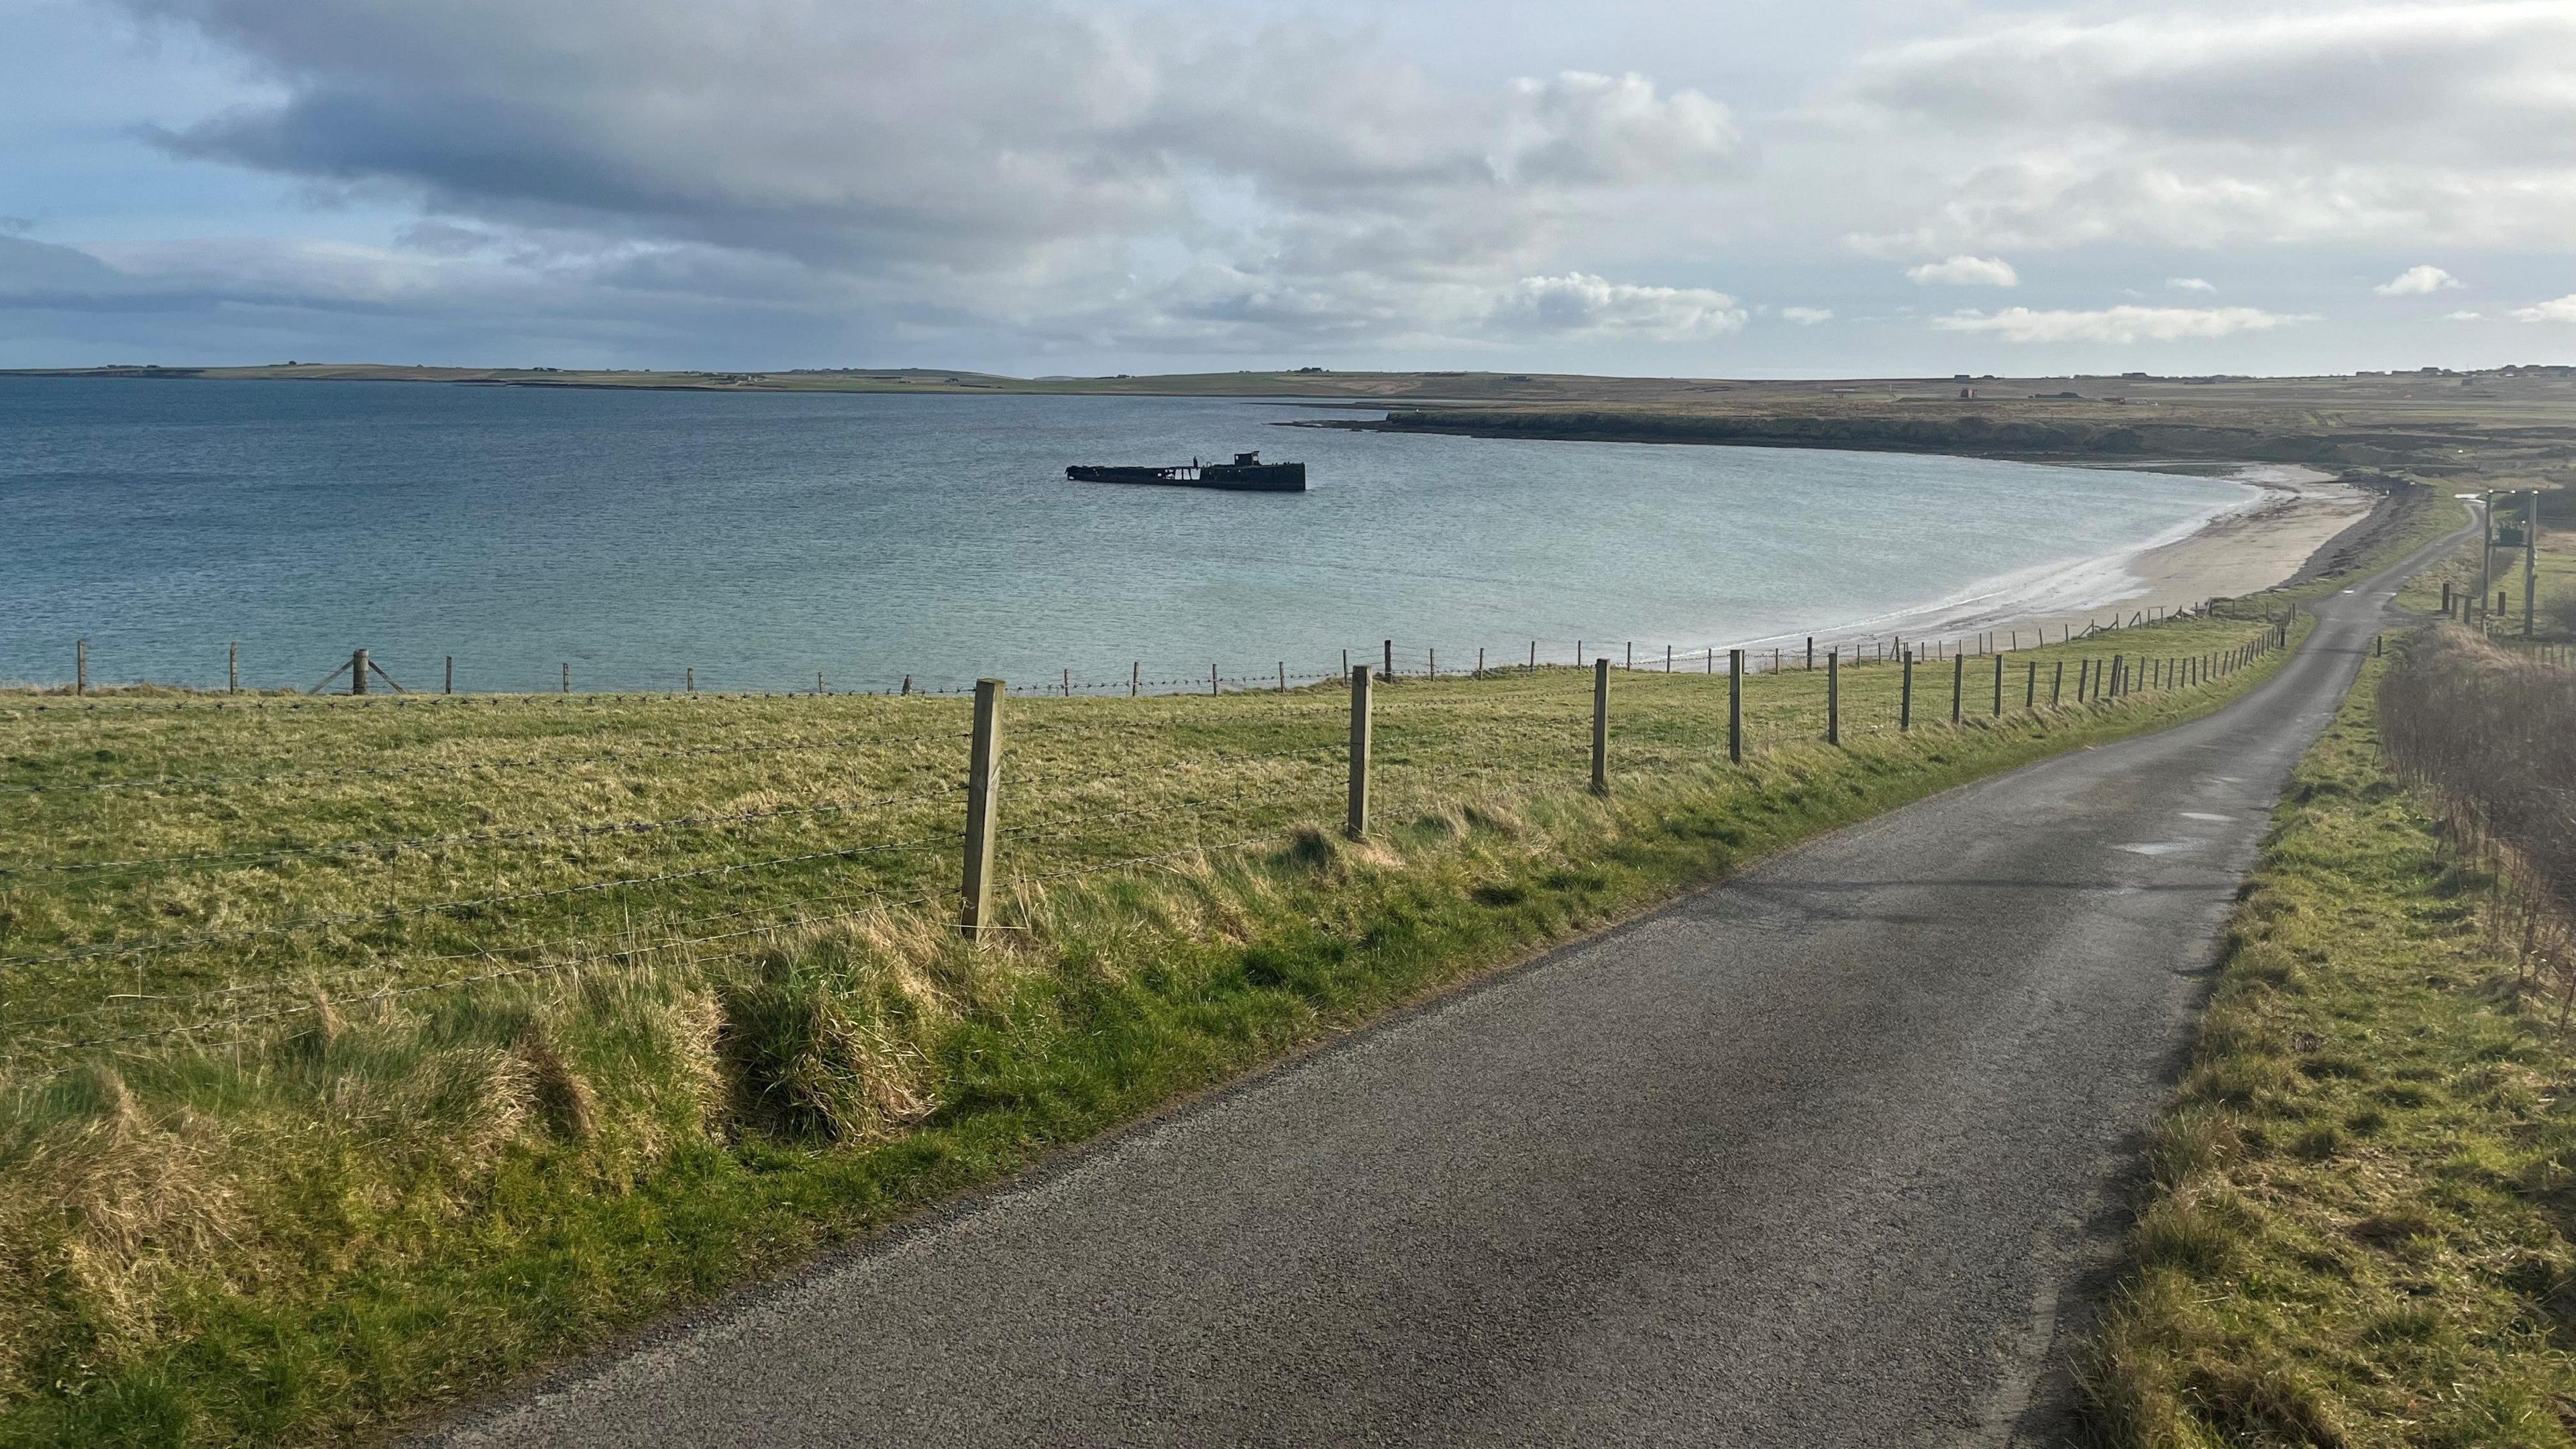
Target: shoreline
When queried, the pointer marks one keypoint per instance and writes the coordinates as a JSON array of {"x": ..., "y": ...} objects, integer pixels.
[
  {"x": 2306, "y": 518},
  {"x": 2269, "y": 540},
  {"x": 2301, "y": 522}
]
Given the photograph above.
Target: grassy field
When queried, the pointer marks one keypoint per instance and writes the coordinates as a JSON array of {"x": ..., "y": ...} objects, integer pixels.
[
  {"x": 2359, "y": 1229},
  {"x": 359, "y": 1055},
  {"x": 2553, "y": 567}
]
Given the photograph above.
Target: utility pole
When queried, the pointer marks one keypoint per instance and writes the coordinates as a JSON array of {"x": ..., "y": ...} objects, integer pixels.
[
  {"x": 2486, "y": 550},
  {"x": 2530, "y": 553}
]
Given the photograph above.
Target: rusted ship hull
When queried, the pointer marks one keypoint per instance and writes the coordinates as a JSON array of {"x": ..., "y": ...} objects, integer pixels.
[{"x": 1234, "y": 477}]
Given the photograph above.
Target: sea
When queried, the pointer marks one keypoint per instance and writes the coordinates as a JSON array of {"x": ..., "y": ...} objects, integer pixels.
[{"x": 632, "y": 540}]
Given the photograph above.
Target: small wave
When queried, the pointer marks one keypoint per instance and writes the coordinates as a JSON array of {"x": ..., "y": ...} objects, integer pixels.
[{"x": 2062, "y": 586}]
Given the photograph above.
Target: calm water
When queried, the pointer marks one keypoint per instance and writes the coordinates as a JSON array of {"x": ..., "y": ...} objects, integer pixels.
[{"x": 761, "y": 538}]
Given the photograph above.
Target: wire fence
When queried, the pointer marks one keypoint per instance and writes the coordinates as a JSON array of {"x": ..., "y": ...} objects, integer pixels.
[
  {"x": 569, "y": 683},
  {"x": 204, "y": 869}
]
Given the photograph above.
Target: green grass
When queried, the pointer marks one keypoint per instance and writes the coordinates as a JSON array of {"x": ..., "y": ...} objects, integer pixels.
[
  {"x": 344, "y": 1095},
  {"x": 2555, "y": 571},
  {"x": 2436, "y": 513},
  {"x": 2358, "y": 1226}
]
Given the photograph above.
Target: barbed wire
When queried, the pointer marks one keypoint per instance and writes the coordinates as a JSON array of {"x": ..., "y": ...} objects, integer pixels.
[{"x": 946, "y": 686}]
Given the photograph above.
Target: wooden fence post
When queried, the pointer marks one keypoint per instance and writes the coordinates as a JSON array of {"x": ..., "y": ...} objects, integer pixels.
[
  {"x": 1999, "y": 686},
  {"x": 1355, "y": 824},
  {"x": 1136, "y": 675},
  {"x": 2030, "y": 689},
  {"x": 358, "y": 671},
  {"x": 450, "y": 686},
  {"x": 983, "y": 777},
  {"x": 1668, "y": 659},
  {"x": 1958, "y": 678},
  {"x": 567, "y": 677},
  {"x": 1811, "y": 652},
  {"x": 2083, "y": 677},
  {"x": 2057, "y": 684},
  {"x": 1212, "y": 680},
  {"x": 1601, "y": 725},
  {"x": 232, "y": 668},
  {"x": 689, "y": 677},
  {"x": 1905, "y": 697},
  {"x": 1387, "y": 671},
  {"x": 1735, "y": 706},
  {"x": 80, "y": 666},
  {"x": 1834, "y": 696}
]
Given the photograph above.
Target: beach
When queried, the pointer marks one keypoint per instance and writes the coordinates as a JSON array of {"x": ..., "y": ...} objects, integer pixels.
[{"x": 2239, "y": 550}]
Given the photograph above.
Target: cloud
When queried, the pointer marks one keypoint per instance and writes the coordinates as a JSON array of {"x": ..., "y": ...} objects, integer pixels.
[
  {"x": 2416, "y": 121},
  {"x": 1067, "y": 182},
  {"x": 1058, "y": 171},
  {"x": 2417, "y": 281},
  {"x": 1965, "y": 271},
  {"x": 1578, "y": 305},
  {"x": 42, "y": 274},
  {"x": 1591, "y": 129},
  {"x": 2562, "y": 309},
  {"x": 2116, "y": 324},
  {"x": 2464, "y": 316}
]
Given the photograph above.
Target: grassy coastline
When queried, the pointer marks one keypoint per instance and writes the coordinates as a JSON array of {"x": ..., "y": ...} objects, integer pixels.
[{"x": 427, "y": 1152}]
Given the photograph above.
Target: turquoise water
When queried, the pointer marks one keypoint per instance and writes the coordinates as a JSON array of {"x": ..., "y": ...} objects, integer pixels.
[{"x": 763, "y": 538}]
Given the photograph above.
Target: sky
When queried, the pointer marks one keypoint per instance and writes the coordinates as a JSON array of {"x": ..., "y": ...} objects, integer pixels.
[{"x": 1661, "y": 187}]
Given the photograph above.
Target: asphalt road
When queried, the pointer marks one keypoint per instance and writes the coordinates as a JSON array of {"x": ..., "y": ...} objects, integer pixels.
[{"x": 1829, "y": 1154}]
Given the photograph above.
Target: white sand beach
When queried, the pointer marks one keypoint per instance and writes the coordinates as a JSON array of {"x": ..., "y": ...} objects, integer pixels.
[{"x": 2241, "y": 551}]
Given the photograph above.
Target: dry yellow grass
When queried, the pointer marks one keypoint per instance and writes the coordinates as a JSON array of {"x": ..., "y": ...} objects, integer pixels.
[{"x": 407, "y": 1042}]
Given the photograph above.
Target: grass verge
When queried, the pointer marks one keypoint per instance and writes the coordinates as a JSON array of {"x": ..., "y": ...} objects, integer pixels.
[{"x": 2357, "y": 1230}]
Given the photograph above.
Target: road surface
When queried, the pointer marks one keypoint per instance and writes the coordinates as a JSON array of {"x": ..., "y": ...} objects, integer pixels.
[{"x": 1829, "y": 1154}]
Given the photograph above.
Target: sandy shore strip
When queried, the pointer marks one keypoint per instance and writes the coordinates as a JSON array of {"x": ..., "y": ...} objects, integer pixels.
[{"x": 2243, "y": 550}]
